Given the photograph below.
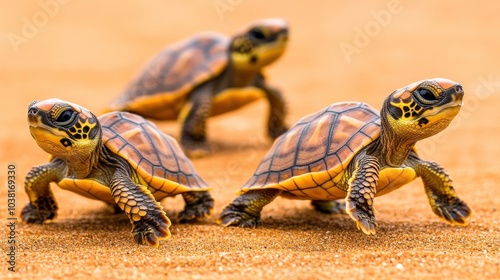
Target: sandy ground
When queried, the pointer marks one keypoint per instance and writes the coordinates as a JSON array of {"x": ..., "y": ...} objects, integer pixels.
[{"x": 86, "y": 51}]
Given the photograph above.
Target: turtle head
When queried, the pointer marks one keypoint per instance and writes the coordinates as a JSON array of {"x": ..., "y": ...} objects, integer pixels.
[
  {"x": 422, "y": 109},
  {"x": 259, "y": 44},
  {"x": 63, "y": 129}
]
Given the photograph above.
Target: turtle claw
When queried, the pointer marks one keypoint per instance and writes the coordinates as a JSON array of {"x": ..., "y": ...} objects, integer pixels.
[
  {"x": 197, "y": 211},
  {"x": 146, "y": 239},
  {"x": 455, "y": 212},
  {"x": 32, "y": 215},
  {"x": 364, "y": 221},
  {"x": 149, "y": 232},
  {"x": 233, "y": 216},
  {"x": 368, "y": 227}
]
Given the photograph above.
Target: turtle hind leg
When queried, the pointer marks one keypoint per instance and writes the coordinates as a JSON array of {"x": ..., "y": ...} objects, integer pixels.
[
  {"x": 329, "y": 206},
  {"x": 441, "y": 194},
  {"x": 199, "y": 205},
  {"x": 245, "y": 210}
]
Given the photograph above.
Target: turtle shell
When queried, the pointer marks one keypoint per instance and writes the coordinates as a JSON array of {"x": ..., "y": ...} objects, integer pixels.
[
  {"x": 160, "y": 90},
  {"x": 309, "y": 160},
  {"x": 157, "y": 157}
]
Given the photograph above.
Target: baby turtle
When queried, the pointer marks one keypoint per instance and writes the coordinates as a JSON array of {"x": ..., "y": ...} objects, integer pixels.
[
  {"x": 350, "y": 151},
  {"x": 119, "y": 158},
  {"x": 208, "y": 75}
]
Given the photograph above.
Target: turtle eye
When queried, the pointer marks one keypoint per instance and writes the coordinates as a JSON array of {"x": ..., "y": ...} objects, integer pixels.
[
  {"x": 66, "y": 117},
  {"x": 426, "y": 96},
  {"x": 257, "y": 33}
]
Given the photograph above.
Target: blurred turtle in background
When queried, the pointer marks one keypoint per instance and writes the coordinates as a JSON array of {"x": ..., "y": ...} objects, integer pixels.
[{"x": 208, "y": 75}]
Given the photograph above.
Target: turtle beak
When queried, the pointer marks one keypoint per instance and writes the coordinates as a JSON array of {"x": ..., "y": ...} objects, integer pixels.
[
  {"x": 458, "y": 93},
  {"x": 36, "y": 116},
  {"x": 33, "y": 118}
]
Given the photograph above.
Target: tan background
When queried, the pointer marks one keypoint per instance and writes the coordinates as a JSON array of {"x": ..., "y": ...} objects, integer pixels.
[{"x": 86, "y": 51}]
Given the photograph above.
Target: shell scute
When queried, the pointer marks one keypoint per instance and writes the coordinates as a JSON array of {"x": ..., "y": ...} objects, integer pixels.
[
  {"x": 156, "y": 157},
  {"x": 167, "y": 78},
  {"x": 312, "y": 155}
]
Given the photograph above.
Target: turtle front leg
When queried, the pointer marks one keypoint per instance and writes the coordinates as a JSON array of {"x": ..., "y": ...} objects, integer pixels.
[
  {"x": 194, "y": 115},
  {"x": 442, "y": 196},
  {"x": 42, "y": 205},
  {"x": 277, "y": 112},
  {"x": 245, "y": 210},
  {"x": 360, "y": 194},
  {"x": 199, "y": 205},
  {"x": 150, "y": 224}
]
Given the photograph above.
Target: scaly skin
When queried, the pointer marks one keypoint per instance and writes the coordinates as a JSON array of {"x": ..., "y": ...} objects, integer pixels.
[
  {"x": 150, "y": 224},
  {"x": 362, "y": 188}
]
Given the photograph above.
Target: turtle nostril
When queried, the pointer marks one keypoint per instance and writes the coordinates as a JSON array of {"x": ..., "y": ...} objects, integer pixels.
[
  {"x": 32, "y": 111},
  {"x": 458, "y": 88}
]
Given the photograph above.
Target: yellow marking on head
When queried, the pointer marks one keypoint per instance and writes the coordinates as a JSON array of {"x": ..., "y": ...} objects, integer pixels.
[
  {"x": 81, "y": 130},
  {"x": 410, "y": 110}
]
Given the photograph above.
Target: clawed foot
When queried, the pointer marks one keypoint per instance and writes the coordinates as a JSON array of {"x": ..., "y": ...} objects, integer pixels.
[
  {"x": 195, "y": 149},
  {"x": 199, "y": 210},
  {"x": 233, "y": 216},
  {"x": 151, "y": 231},
  {"x": 454, "y": 212},
  {"x": 365, "y": 220},
  {"x": 329, "y": 206},
  {"x": 31, "y": 215}
]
